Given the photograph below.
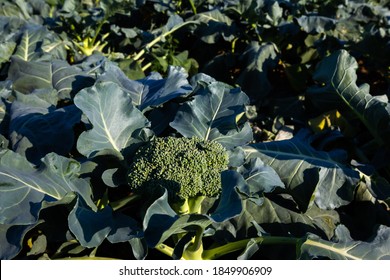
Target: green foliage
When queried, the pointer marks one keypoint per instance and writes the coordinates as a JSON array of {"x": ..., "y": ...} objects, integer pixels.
[{"x": 196, "y": 129}]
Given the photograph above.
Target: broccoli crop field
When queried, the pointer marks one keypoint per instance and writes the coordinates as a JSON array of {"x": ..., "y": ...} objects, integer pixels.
[{"x": 194, "y": 129}]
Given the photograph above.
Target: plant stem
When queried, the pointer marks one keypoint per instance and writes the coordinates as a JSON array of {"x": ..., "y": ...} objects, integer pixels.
[
  {"x": 194, "y": 251},
  {"x": 193, "y": 6},
  {"x": 195, "y": 204},
  {"x": 118, "y": 204},
  {"x": 97, "y": 31},
  {"x": 215, "y": 253},
  {"x": 146, "y": 67},
  {"x": 138, "y": 55},
  {"x": 165, "y": 249}
]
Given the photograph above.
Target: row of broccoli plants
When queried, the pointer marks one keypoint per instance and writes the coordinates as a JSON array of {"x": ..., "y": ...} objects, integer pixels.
[
  {"x": 82, "y": 174},
  {"x": 167, "y": 165}
]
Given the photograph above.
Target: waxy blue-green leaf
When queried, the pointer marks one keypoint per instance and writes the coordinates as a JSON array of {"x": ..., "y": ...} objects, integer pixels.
[
  {"x": 28, "y": 76},
  {"x": 229, "y": 205},
  {"x": 23, "y": 187},
  {"x": 139, "y": 248},
  {"x": 158, "y": 219},
  {"x": 259, "y": 178},
  {"x": 214, "y": 114},
  {"x": 35, "y": 131},
  {"x": 345, "y": 248},
  {"x": 90, "y": 227},
  {"x": 11, "y": 237},
  {"x": 152, "y": 91},
  {"x": 161, "y": 221},
  {"x": 124, "y": 228},
  {"x": 38, "y": 43},
  {"x": 257, "y": 61},
  {"x": 316, "y": 23},
  {"x": 116, "y": 122},
  {"x": 309, "y": 175},
  {"x": 17, "y": 8},
  {"x": 6, "y": 51},
  {"x": 214, "y": 25},
  {"x": 157, "y": 91},
  {"x": 278, "y": 217},
  {"x": 337, "y": 77}
]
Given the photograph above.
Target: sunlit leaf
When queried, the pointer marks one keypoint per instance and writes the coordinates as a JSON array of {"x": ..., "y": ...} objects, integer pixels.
[
  {"x": 211, "y": 115},
  {"x": 116, "y": 122},
  {"x": 23, "y": 187},
  {"x": 338, "y": 74},
  {"x": 347, "y": 249},
  {"x": 308, "y": 174}
]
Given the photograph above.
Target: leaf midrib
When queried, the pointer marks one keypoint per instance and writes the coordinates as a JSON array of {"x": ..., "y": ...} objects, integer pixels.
[
  {"x": 212, "y": 119},
  {"x": 29, "y": 185},
  {"x": 338, "y": 251},
  {"x": 290, "y": 156}
]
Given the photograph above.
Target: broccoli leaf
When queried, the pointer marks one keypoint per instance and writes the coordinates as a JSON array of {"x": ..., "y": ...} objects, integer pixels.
[
  {"x": 308, "y": 174},
  {"x": 28, "y": 76},
  {"x": 337, "y": 73},
  {"x": 11, "y": 239},
  {"x": 229, "y": 204},
  {"x": 37, "y": 44},
  {"x": 258, "y": 60},
  {"x": 214, "y": 26},
  {"x": 91, "y": 227},
  {"x": 152, "y": 90},
  {"x": 116, "y": 122},
  {"x": 259, "y": 178},
  {"x": 23, "y": 188},
  {"x": 161, "y": 221},
  {"x": 6, "y": 51},
  {"x": 36, "y": 131},
  {"x": 214, "y": 114},
  {"x": 279, "y": 217},
  {"x": 158, "y": 219},
  {"x": 348, "y": 249}
]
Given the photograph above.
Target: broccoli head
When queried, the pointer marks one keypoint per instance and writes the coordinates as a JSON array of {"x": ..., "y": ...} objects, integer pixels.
[{"x": 189, "y": 168}]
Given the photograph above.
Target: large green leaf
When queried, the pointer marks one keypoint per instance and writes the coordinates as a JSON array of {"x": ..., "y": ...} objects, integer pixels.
[
  {"x": 36, "y": 131},
  {"x": 117, "y": 124},
  {"x": 260, "y": 179},
  {"x": 309, "y": 175},
  {"x": 6, "y": 51},
  {"x": 336, "y": 75},
  {"x": 39, "y": 44},
  {"x": 257, "y": 61},
  {"x": 153, "y": 90},
  {"x": 17, "y": 8},
  {"x": 348, "y": 249},
  {"x": 158, "y": 219},
  {"x": 229, "y": 204},
  {"x": 161, "y": 221},
  {"x": 28, "y": 76},
  {"x": 157, "y": 91},
  {"x": 214, "y": 114},
  {"x": 214, "y": 26},
  {"x": 316, "y": 24},
  {"x": 278, "y": 216},
  {"x": 23, "y": 187},
  {"x": 90, "y": 227},
  {"x": 11, "y": 237}
]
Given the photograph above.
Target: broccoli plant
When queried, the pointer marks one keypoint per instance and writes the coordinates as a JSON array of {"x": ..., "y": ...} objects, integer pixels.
[
  {"x": 189, "y": 168},
  {"x": 190, "y": 171}
]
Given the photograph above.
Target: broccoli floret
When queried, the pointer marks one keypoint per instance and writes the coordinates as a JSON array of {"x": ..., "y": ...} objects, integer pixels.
[{"x": 189, "y": 168}]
